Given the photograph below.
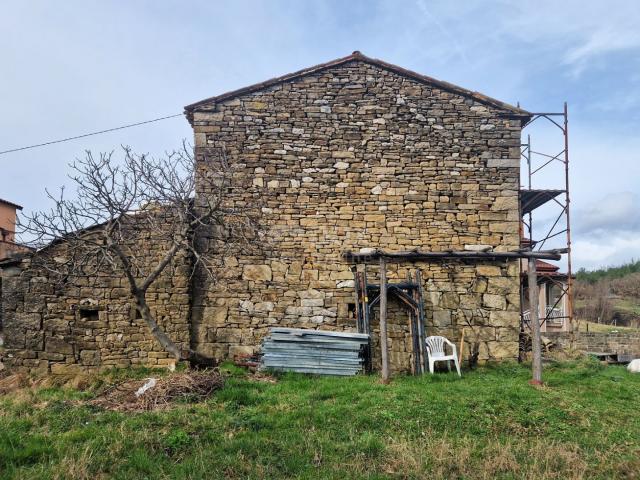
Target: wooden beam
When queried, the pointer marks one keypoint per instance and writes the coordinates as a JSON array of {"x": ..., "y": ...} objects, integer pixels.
[
  {"x": 383, "y": 321},
  {"x": 536, "y": 349},
  {"x": 416, "y": 255}
]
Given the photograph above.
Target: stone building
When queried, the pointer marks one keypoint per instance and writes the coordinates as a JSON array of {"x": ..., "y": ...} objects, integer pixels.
[
  {"x": 8, "y": 245},
  {"x": 355, "y": 153},
  {"x": 73, "y": 322}
]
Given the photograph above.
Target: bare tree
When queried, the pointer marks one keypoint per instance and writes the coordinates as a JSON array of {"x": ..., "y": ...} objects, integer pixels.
[
  {"x": 595, "y": 302},
  {"x": 118, "y": 202}
]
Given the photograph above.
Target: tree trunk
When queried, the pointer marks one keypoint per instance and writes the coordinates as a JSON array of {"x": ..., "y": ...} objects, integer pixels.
[{"x": 165, "y": 341}]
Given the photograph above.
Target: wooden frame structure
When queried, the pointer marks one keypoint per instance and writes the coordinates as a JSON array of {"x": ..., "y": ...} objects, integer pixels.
[
  {"x": 409, "y": 293},
  {"x": 372, "y": 256}
]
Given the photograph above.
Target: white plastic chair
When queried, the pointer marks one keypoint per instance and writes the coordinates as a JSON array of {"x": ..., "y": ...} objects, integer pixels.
[{"x": 436, "y": 353}]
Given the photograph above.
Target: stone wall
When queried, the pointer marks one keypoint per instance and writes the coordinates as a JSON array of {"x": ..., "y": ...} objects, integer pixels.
[
  {"x": 353, "y": 156},
  {"x": 619, "y": 342},
  {"x": 358, "y": 156},
  {"x": 86, "y": 323}
]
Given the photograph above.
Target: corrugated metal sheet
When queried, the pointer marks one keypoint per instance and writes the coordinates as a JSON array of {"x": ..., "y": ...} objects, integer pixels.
[{"x": 314, "y": 351}]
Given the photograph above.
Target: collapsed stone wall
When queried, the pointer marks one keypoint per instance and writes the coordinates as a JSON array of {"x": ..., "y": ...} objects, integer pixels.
[
  {"x": 77, "y": 324},
  {"x": 359, "y": 156}
]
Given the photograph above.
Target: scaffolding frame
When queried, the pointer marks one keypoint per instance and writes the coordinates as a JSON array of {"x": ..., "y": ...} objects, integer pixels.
[{"x": 538, "y": 161}]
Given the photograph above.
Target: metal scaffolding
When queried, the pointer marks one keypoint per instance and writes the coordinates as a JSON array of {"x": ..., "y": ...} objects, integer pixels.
[{"x": 537, "y": 162}]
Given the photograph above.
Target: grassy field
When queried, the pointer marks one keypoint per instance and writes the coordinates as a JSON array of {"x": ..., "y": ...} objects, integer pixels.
[
  {"x": 489, "y": 424},
  {"x": 585, "y": 326}
]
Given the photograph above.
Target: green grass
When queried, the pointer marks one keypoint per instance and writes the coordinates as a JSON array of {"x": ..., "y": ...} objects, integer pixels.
[
  {"x": 585, "y": 326},
  {"x": 489, "y": 424}
]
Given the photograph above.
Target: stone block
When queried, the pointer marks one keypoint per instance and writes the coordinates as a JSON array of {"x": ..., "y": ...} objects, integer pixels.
[
  {"x": 312, "y": 302},
  {"x": 218, "y": 315},
  {"x": 240, "y": 350},
  {"x": 342, "y": 154},
  {"x": 504, "y": 319},
  {"x": 488, "y": 270},
  {"x": 442, "y": 318},
  {"x": 58, "y": 345},
  {"x": 257, "y": 272},
  {"x": 66, "y": 369},
  {"x": 312, "y": 293},
  {"x": 497, "y": 302},
  {"x": 503, "y": 163},
  {"x": 90, "y": 357},
  {"x": 29, "y": 321},
  {"x": 502, "y": 285},
  {"x": 263, "y": 307},
  {"x": 502, "y": 350}
]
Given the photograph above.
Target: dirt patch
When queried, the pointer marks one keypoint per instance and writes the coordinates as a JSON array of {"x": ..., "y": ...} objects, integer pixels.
[{"x": 177, "y": 388}]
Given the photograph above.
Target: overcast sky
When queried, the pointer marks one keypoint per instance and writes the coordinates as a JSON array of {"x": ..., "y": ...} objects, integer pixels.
[{"x": 78, "y": 66}]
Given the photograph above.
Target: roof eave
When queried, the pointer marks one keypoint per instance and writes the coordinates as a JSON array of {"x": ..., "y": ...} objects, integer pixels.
[{"x": 7, "y": 202}]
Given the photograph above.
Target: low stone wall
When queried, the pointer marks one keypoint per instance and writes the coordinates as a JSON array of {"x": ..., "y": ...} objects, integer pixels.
[{"x": 620, "y": 342}]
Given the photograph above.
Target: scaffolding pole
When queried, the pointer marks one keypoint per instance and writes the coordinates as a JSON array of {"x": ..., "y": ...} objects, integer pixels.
[{"x": 539, "y": 161}]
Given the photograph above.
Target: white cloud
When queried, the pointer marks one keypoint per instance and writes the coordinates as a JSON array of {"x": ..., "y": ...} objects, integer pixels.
[
  {"x": 602, "y": 39},
  {"x": 592, "y": 253},
  {"x": 616, "y": 212},
  {"x": 607, "y": 231}
]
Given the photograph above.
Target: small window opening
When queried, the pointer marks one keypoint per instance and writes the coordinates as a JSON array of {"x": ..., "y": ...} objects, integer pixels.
[
  {"x": 351, "y": 310},
  {"x": 88, "y": 315}
]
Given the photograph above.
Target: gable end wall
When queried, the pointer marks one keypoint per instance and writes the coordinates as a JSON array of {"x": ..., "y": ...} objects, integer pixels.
[{"x": 357, "y": 156}]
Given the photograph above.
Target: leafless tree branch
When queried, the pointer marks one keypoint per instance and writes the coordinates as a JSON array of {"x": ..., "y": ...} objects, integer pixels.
[{"x": 115, "y": 203}]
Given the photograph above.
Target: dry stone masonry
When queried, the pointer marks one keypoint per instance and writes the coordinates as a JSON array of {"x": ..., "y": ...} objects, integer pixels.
[
  {"x": 348, "y": 155},
  {"x": 360, "y": 155},
  {"x": 74, "y": 324}
]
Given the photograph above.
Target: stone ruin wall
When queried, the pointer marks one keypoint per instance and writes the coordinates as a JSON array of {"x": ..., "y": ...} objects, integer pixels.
[
  {"x": 88, "y": 323},
  {"x": 358, "y": 156}
]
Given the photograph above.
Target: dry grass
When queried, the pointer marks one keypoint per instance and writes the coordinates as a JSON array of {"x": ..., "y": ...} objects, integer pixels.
[
  {"x": 444, "y": 458},
  {"x": 179, "y": 388}
]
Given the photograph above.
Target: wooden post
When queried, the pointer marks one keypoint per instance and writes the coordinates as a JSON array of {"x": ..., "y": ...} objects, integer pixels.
[
  {"x": 383, "y": 321},
  {"x": 461, "y": 348},
  {"x": 536, "y": 349}
]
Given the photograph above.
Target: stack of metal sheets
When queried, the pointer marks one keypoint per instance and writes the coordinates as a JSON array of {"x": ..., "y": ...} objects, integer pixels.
[{"x": 314, "y": 351}]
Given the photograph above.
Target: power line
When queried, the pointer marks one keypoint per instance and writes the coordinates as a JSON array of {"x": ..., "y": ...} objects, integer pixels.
[{"x": 90, "y": 134}]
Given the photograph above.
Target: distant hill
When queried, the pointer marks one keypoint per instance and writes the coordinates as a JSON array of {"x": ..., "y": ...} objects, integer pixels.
[
  {"x": 593, "y": 276},
  {"x": 609, "y": 295}
]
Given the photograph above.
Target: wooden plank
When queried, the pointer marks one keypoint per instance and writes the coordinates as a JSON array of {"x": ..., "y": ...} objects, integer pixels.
[
  {"x": 366, "y": 312},
  {"x": 536, "y": 346},
  {"x": 383, "y": 321},
  {"x": 417, "y": 255},
  {"x": 421, "y": 321}
]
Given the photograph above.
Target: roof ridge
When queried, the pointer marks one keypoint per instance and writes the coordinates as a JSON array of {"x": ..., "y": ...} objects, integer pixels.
[{"x": 358, "y": 56}]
